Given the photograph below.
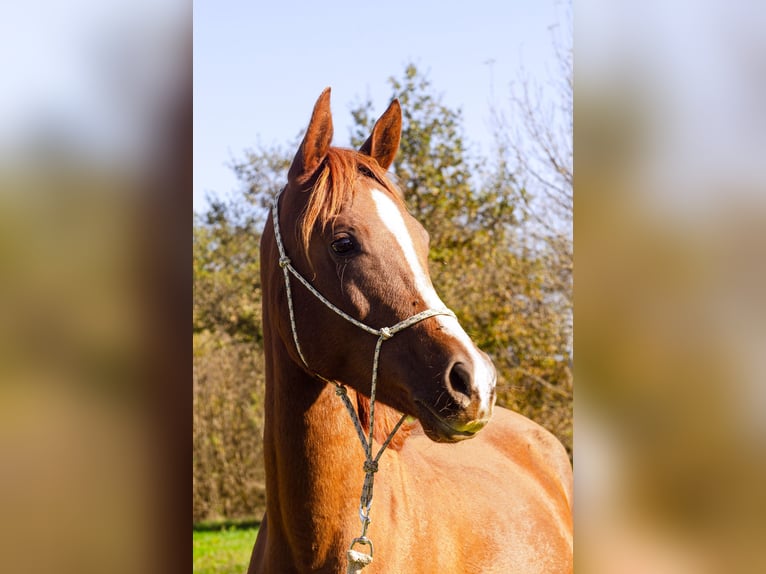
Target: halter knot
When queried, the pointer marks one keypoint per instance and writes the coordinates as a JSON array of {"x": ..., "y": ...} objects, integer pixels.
[
  {"x": 284, "y": 262},
  {"x": 385, "y": 333},
  {"x": 370, "y": 466}
]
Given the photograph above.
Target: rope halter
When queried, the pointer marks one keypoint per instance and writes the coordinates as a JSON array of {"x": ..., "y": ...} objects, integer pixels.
[{"x": 356, "y": 559}]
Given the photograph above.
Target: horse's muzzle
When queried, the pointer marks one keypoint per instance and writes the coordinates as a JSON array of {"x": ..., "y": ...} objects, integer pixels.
[{"x": 447, "y": 429}]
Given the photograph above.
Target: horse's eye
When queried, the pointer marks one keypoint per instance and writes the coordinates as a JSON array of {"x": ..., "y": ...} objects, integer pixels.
[{"x": 343, "y": 246}]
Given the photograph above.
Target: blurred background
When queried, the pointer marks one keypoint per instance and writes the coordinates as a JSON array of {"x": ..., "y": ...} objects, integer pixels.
[
  {"x": 95, "y": 193},
  {"x": 670, "y": 330}
]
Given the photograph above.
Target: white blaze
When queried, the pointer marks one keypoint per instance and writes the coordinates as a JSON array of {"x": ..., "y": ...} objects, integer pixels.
[{"x": 392, "y": 218}]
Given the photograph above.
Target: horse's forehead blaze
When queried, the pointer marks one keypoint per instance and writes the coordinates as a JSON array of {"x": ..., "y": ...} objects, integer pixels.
[{"x": 392, "y": 218}]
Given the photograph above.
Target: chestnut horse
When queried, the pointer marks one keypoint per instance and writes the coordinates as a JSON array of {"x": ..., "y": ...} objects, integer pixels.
[{"x": 357, "y": 262}]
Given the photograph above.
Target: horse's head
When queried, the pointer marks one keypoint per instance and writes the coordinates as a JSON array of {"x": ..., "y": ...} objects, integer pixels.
[{"x": 346, "y": 229}]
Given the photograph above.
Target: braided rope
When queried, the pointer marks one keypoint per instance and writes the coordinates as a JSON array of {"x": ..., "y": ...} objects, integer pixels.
[{"x": 370, "y": 467}]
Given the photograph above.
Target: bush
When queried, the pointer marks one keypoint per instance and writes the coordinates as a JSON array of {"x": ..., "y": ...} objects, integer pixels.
[{"x": 228, "y": 477}]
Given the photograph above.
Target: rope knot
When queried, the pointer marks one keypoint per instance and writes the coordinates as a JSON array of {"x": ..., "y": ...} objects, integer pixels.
[
  {"x": 385, "y": 333},
  {"x": 284, "y": 262},
  {"x": 370, "y": 466},
  {"x": 340, "y": 390}
]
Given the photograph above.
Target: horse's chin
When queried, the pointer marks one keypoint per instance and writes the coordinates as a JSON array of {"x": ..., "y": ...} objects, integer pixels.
[
  {"x": 439, "y": 429},
  {"x": 437, "y": 435}
]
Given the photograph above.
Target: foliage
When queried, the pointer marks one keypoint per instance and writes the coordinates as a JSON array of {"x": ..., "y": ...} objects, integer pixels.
[
  {"x": 535, "y": 136},
  {"x": 228, "y": 383},
  {"x": 228, "y": 478},
  {"x": 227, "y": 273},
  {"x": 222, "y": 552},
  {"x": 263, "y": 173},
  {"x": 499, "y": 258}
]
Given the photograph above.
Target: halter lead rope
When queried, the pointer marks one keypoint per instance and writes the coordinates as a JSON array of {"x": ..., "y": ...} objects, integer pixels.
[{"x": 356, "y": 560}]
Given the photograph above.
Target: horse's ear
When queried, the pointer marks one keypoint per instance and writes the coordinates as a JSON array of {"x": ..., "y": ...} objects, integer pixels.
[
  {"x": 383, "y": 143},
  {"x": 316, "y": 142}
]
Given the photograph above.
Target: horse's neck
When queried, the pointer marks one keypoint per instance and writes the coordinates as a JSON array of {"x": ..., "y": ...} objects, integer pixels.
[{"x": 314, "y": 460}]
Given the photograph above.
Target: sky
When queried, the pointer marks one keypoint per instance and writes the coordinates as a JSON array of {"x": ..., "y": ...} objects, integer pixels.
[
  {"x": 260, "y": 66},
  {"x": 88, "y": 76}
]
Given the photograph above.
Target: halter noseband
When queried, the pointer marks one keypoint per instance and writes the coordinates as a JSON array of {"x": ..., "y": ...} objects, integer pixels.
[{"x": 383, "y": 334}]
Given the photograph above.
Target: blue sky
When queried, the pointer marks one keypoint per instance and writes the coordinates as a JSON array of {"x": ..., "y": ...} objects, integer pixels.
[{"x": 259, "y": 66}]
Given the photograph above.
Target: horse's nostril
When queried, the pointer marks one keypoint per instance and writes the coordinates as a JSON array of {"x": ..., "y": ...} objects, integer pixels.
[{"x": 460, "y": 381}]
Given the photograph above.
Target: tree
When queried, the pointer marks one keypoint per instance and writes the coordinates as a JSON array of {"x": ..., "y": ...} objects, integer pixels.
[
  {"x": 227, "y": 272},
  {"x": 228, "y": 378},
  {"x": 534, "y": 142}
]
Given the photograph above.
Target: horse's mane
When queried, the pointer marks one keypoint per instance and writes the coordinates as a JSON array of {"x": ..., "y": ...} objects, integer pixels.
[
  {"x": 385, "y": 421},
  {"x": 334, "y": 184}
]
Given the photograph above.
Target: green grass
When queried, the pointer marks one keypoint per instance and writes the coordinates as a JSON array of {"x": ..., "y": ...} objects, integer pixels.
[{"x": 224, "y": 551}]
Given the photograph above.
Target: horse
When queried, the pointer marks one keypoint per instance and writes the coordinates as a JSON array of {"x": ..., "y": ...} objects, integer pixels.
[{"x": 349, "y": 311}]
